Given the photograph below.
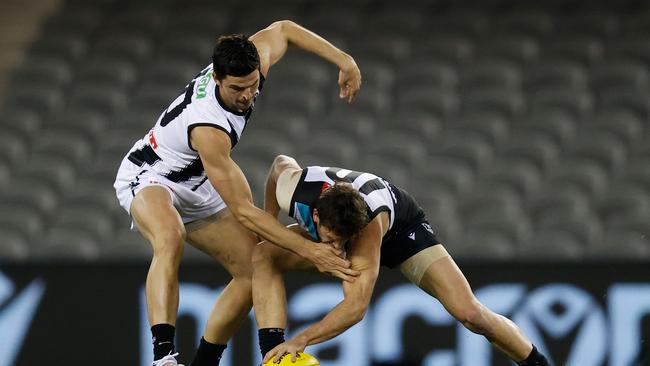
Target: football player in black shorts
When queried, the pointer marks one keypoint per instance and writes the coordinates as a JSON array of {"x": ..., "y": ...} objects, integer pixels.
[{"x": 372, "y": 223}]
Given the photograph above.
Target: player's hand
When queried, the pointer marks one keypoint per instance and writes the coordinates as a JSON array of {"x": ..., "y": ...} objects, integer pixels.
[
  {"x": 349, "y": 80},
  {"x": 292, "y": 347},
  {"x": 327, "y": 259}
]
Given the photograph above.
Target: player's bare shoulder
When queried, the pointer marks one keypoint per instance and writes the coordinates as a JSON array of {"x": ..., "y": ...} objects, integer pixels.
[{"x": 286, "y": 186}]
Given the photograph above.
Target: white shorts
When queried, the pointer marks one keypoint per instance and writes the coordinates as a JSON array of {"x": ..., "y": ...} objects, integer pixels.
[{"x": 191, "y": 205}]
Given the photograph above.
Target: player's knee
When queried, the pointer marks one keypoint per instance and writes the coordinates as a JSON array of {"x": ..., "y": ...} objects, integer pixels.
[
  {"x": 168, "y": 243},
  {"x": 473, "y": 317},
  {"x": 262, "y": 256}
]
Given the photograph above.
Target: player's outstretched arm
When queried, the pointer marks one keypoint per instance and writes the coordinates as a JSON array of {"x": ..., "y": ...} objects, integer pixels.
[
  {"x": 281, "y": 163},
  {"x": 213, "y": 146},
  {"x": 272, "y": 43},
  {"x": 364, "y": 255}
]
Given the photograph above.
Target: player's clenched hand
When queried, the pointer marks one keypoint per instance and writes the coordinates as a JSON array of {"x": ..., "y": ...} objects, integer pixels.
[
  {"x": 292, "y": 347},
  {"x": 349, "y": 80},
  {"x": 327, "y": 259}
]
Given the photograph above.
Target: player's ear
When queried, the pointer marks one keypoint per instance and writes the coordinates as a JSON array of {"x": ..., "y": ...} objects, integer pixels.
[
  {"x": 216, "y": 79},
  {"x": 315, "y": 217}
]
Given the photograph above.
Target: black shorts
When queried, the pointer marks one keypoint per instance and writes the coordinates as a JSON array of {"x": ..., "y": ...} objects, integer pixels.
[{"x": 411, "y": 232}]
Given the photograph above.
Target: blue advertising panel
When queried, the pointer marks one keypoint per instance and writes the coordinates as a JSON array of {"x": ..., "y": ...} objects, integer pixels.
[{"x": 578, "y": 314}]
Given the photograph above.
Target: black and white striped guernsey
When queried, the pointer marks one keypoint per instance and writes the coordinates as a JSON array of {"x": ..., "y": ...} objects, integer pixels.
[
  {"x": 375, "y": 191},
  {"x": 166, "y": 149}
]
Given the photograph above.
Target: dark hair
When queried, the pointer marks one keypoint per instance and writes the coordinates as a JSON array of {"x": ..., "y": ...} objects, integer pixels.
[
  {"x": 341, "y": 209},
  {"x": 234, "y": 55}
]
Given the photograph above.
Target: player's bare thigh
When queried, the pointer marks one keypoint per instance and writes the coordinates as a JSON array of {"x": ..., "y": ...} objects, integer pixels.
[
  {"x": 153, "y": 212},
  {"x": 222, "y": 237},
  {"x": 441, "y": 278},
  {"x": 283, "y": 259}
]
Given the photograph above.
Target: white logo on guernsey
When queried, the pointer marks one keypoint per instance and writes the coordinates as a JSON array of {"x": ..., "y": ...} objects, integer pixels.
[
  {"x": 412, "y": 236},
  {"x": 427, "y": 227}
]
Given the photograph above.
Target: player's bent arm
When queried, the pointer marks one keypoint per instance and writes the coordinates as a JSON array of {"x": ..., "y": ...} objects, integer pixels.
[
  {"x": 281, "y": 163},
  {"x": 272, "y": 42},
  {"x": 364, "y": 255},
  {"x": 213, "y": 146}
]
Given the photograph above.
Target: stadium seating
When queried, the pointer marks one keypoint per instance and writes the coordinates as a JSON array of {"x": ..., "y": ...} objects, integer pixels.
[{"x": 521, "y": 128}]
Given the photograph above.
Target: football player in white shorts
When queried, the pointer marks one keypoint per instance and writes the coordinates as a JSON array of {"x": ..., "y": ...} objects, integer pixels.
[
  {"x": 180, "y": 184},
  {"x": 377, "y": 224}
]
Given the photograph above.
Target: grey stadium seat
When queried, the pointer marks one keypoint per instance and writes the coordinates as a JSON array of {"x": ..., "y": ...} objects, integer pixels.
[
  {"x": 32, "y": 193},
  {"x": 427, "y": 100},
  {"x": 403, "y": 21},
  {"x": 44, "y": 100},
  {"x": 13, "y": 147},
  {"x": 620, "y": 245},
  {"x": 134, "y": 21},
  {"x": 576, "y": 102},
  {"x": 484, "y": 244},
  {"x": 508, "y": 103},
  {"x": 583, "y": 176},
  {"x": 533, "y": 148},
  {"x": 534, "y": 24},
  {"x": 407, "y": 147},
  {"x": 306, "y": 101},
  {"x": 68, "y": 47},
  {"x": 132, "y": 47},
  {"x": 63, "y": 143},
  {"x": 382, "y": 47},
  {"x": 548, "y": 205},
  {"x": 428, "y": 125},
  {"x": 634, "y": 102},
  {"x": 375, "y": 101},
  {"x": 451, "y": 175},
  {"x": 493, "y": 127},
  {"x": 585, "y": 230},
  {"x": 497, "y": 74},
  {"x": 558, "y": 125},
  {"x": 22, "y": 219},
  {"x": 584, "y": 50},
  {"x": 625, "y": 125},
  {"x": 474, "y": 151},
  {"x": 188, "y": 47},
  {"x": 126, "y": 245},
  {"x": 593, "y": 24},
  {"x": 328, "y": 148},
  {"x": 315, "y": 74},
  {"x": 118, "y": 72},
  {"x": 511, "y": 48},
  {"x": 13, "y": 246},
  {"x": 601, "y": 148},
  {"x": 617, "y": 204},
  {"x": 629, "y": 48},
  {"x": 623, "y": 75},
  {"x": 52, "y": 71},
  {"x": 552, "y": 244},
  {"x": 67, "y": 244},
  {"x": 388, "y": 167},
  {"x": 73, "y": 21},
  {"x": 521, "y": 177},
  {"x": 484, "y": 204},
  {"x": 98, "y": 98},
  {"x": 57, "y": 172},
  {"x": 468, "y": 24},
  {"x": 556, "y": 74},
  {"x": 87, "y": 217},
  {"x": 452, "y": 48},
  {"x": 85, "y": 123},
  {"x": 264, "y": 144},
  {"x": 376, "y": 75},
  {"x": 427, "y": 73},
  {"x": 20, "y": 119}
]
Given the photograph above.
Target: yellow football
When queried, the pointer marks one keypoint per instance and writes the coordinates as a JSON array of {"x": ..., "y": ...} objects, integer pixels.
[{"x": 303, "y": 359}]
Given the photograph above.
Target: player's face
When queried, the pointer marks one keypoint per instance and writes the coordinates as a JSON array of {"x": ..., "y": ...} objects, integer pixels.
[
  {"x": 327, "y": 235},
  {"x": 238, "y": 92}
]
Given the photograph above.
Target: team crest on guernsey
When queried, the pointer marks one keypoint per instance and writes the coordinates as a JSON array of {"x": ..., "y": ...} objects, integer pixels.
[{"x": 325, "y": 187}]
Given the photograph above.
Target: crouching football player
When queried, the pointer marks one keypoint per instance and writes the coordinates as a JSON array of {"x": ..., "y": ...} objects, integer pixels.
[{"x": 373, "y": 223}]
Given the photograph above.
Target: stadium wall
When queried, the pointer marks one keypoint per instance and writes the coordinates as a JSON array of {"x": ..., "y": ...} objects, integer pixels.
[{"x": 580, "y": 314}]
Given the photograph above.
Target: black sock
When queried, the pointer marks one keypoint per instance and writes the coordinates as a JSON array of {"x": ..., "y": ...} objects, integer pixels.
[
  {"x": 269, "y": 338},
  {"x": 534, "y": 359},
  {"x": 208, "y": 354},
  {"x": 163, "y": 340}
]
